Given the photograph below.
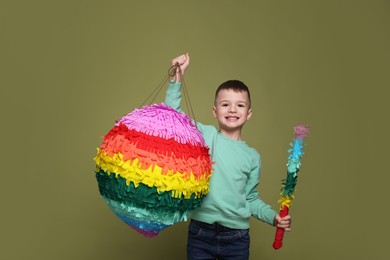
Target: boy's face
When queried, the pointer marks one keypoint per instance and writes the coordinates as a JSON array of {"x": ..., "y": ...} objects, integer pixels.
[{"x": 232, "y": 109}]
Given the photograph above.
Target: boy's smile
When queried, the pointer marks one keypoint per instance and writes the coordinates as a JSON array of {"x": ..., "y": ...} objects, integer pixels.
[{"x": 232, "y": 118}]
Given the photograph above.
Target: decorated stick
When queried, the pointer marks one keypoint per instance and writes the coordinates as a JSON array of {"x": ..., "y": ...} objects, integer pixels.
[{"x": 288, "y": 185}]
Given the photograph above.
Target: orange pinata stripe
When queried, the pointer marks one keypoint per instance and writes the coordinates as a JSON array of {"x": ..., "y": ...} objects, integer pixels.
[
  {"x": 154, "y": 144},
  {"x": 181, "y": 184},
  {"x": 120, "y": 144}
]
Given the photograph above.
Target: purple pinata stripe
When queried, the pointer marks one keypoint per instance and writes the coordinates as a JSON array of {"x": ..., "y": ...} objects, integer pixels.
[{"x": 165, "y": 122}]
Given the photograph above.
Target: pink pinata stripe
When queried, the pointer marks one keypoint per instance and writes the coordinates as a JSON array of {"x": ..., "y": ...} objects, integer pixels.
[{"x": 165, "y": 122}]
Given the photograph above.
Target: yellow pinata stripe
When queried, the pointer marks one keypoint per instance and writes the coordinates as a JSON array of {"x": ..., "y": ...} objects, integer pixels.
[
  {"x": 285, "y": 200},
  {"x": 152, "y": 176}
]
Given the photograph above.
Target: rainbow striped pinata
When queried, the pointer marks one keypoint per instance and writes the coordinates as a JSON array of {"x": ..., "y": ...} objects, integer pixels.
[{"x": 153, "y": 168}]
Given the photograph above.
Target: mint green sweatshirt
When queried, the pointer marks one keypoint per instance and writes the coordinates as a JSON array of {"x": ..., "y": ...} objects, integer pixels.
[{"x": 233, "y": 195}]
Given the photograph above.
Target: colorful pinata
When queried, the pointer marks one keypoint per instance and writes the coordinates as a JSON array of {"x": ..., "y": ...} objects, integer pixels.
[{"x": 153, "y": 168}]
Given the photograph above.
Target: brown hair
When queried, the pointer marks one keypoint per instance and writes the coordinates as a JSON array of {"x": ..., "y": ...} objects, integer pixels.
[{"x": 235, "y": 85}]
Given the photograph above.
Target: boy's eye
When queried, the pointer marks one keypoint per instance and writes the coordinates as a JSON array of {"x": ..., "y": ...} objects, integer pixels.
[
  {"x": 224, "y": 104},
  {"x": 241, "y": 105}
]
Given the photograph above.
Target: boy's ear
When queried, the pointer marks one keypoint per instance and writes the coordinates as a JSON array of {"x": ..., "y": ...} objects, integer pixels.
[
  {"x": 249, "y": 114},
  {"x": 214, "y": 112}
]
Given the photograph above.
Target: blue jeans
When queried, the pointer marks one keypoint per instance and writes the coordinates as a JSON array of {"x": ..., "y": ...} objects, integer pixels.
[{"x": 214, "y": 241}]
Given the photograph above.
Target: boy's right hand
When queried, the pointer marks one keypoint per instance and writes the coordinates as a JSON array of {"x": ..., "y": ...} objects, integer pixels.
[
  {"x": 283, "y": 223},
  {"x": 183, "y": 61}
]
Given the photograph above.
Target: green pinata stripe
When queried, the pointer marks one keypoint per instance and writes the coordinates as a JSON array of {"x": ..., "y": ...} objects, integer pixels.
[{"x": 115, "y": 188}]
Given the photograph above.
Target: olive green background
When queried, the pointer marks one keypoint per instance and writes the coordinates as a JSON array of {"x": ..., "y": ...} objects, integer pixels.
[{"x": 69, "y": 69}]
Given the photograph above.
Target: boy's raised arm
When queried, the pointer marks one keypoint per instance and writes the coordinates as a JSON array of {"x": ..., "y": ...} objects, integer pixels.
[{"x": 173, "y": 94}]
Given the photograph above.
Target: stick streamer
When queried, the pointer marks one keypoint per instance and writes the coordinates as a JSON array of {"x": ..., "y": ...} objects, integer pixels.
[{"x": 288, "y": 185}]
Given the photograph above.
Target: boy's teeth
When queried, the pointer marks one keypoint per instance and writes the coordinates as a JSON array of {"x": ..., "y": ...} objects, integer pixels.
[{"x": 231, "y": 117}]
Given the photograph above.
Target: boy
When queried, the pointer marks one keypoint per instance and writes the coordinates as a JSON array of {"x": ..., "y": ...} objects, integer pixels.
[{"x": 219, "y": 229}]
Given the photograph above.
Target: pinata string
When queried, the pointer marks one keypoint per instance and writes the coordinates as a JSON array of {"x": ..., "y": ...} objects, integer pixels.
[
  {"x": 150, "y": 99},
  {"x": 171, "y": 73},
  {"x": 186, "y": 96}
]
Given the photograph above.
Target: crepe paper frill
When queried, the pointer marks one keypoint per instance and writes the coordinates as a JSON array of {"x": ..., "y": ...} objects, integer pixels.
[
  {"x": 153, "y": 168},
  {"x": 288, "y": 185}
]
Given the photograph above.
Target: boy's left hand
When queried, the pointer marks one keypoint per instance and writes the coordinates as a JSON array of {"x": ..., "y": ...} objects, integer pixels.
[
  {"x": 183, "y": 61},
  {"x": 284, "y": 223}
]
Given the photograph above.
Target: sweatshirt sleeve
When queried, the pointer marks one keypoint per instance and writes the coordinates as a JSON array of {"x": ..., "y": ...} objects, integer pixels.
[
  {"x": 173, "y": 96},
  {"x": 258, "y": 208}
]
